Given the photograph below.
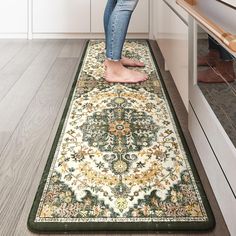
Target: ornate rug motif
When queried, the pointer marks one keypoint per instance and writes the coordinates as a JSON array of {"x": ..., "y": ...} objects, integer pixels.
[{"x": 119, "y": 158}]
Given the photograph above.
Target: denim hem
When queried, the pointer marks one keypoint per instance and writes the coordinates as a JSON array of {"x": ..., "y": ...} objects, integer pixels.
[{"x": 110, "y": 59}]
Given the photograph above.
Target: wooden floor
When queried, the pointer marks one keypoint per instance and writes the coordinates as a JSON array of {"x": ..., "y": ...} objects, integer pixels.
[{"x": 35, "y": 79}]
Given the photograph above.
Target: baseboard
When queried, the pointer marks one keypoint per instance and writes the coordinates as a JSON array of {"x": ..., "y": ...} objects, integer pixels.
[
  {"x": 13, "y": 35},
  {"x": 68, "y": 35}
]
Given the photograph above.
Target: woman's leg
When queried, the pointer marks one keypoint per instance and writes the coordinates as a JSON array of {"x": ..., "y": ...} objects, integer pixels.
[
  {"x": 212, "y": 55},
  {"x": 224, "y": 54},
  {"x": 118, "y": 26},
  {"x": 115, "y": 38},
  {"x": 221, "y": 60},
  {"x": 107, "y": 13}
]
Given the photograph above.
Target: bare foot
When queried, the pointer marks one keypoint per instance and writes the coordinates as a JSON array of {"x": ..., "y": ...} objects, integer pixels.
[
  {"x": 130, "y": 62},
  {"x": 117, "y": 73}
]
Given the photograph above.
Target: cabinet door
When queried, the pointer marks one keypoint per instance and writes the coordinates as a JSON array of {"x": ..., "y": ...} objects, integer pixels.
[
  {"x": 13, "y": 16},
  {"x": 139, "y": 22},
  {"x": 171, "y": 33},
  {"x": 61, "y": 16},
  {"x": 178, "y": 9}
]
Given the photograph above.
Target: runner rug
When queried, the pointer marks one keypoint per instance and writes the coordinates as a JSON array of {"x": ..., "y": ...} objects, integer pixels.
[{"x": 119, "y": 160}]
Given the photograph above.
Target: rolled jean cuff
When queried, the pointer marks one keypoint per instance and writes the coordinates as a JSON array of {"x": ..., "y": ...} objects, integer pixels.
[{"x": 110, "y": 59}]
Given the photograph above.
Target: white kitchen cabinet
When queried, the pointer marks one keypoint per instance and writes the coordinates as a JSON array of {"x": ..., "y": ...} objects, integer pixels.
[
  {"x": 13, "y": 16},
  {"x": 179, "y": 10},
  {"x": 139, "y": 22},
  {"x": 211, "y": 120},
  {"x": 61, "y": 16},
  {"x": 171, "y": 34}
]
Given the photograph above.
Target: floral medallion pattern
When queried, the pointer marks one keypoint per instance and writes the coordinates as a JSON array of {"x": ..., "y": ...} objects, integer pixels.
[{"x": 119, "y": 157}]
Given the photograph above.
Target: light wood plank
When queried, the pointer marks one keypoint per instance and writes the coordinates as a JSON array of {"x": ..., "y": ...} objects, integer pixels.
[
  {"x": 19, "y": 165},
  {"x": 18, "y": 98},
  {"x": 21, "y": 228},
  {"x": 17, "y": 66},
  {"x": 72, "y": 48},
  {"x": 9, "y": 50},
  {"x": 3, "y": 43}
]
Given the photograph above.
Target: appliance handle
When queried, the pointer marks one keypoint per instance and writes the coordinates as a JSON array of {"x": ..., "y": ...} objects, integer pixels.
[{"x": 227, "y": 38}]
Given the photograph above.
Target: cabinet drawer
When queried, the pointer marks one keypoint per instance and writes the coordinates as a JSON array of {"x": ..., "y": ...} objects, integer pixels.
[
  {"x": 13, "y": 16},
  {"x": 216, "y": 176},
  {"x": 218, "y": 138},
  {"x": 172, "y": 38},
  {"x": 61, "y": 16}
]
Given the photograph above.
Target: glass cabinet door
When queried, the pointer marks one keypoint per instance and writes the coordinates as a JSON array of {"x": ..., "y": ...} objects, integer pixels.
[{"x": 216, "y": 78}]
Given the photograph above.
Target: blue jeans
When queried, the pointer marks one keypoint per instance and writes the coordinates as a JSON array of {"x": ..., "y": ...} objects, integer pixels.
[{"x": 116, "y": 20}]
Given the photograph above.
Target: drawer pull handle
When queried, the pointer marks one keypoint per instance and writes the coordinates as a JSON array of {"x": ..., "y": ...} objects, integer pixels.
[{"x": 228, "y": 39}]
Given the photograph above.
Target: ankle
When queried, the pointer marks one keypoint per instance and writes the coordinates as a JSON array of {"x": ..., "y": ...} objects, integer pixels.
[
  {"x": 111, "y": 62},
  {"x": 113, "y": 65}
]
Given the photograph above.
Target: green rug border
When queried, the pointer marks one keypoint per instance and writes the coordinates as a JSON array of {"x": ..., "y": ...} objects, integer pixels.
[{"x": 79, "y": 227}]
